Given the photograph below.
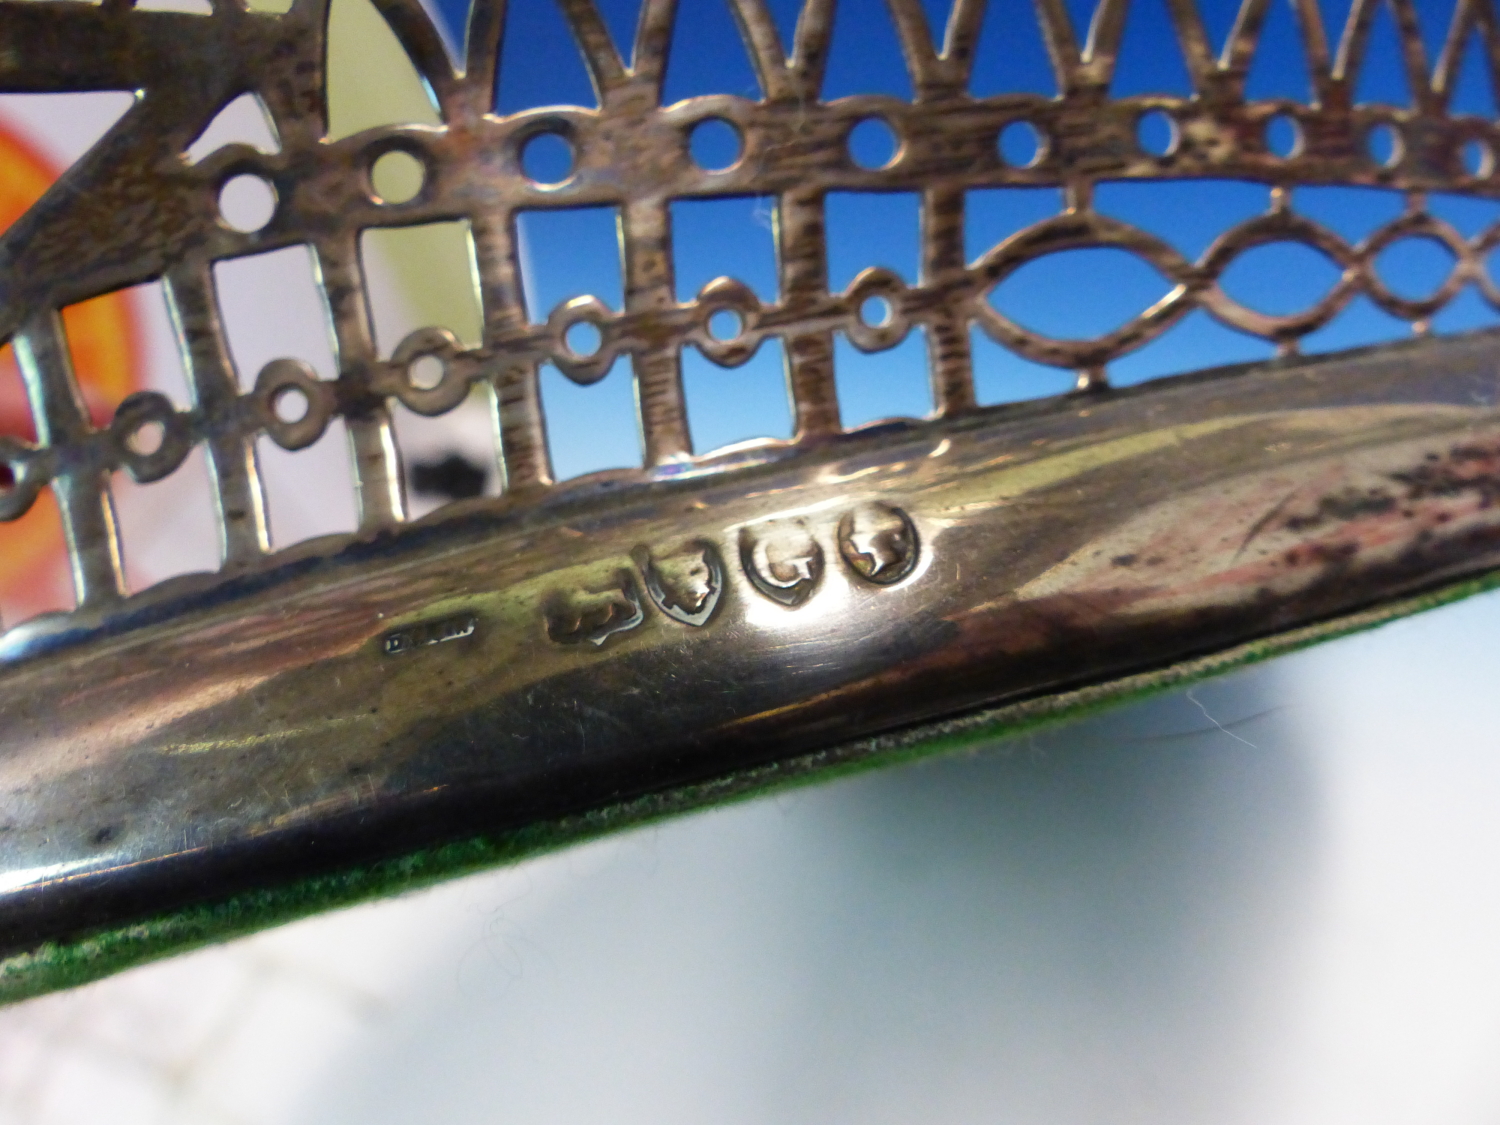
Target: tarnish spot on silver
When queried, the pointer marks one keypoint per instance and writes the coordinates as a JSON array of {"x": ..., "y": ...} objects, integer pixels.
[
  {"x": 429, "y": 633},
  {"x": 879, "y": 543},
  {"x": 782, "y": 560},
  {"x": 686, "y": 584},
  {"x": 593, "y": 616}
]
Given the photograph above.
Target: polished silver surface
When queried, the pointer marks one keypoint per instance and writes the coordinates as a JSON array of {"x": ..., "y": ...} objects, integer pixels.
[{"x": 504, "y": 669}]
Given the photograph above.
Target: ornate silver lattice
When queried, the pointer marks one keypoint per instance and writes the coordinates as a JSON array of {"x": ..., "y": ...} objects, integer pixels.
[{"x": 135, "y": 210}]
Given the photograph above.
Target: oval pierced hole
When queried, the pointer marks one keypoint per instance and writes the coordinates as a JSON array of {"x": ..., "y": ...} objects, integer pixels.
[
  {"x": 547, "y": 159},
  {"x": 876, "y": 311},
  {"x": 1020, "y": 144},
  {"x": 1283, "y": 278},
  {"x": 291, "y": 404},
  {"x": 725, "y": 324},
  {"x": 7, "y": 477},
  {"x": 1157, "y": 133},
  {"x": 247, "y": 202},
  {"x": 1283, "y": 136},
  {"x": 425, "y": 372},
  {"x": 146, "y": 438},
  {"x": 873, "y": 144},
  {"x": 1383, "y": 144},
  {"x": 1044, "y": 294},
  {"x": 1415, "y": 268},
  {"x": 1478, "y": 158},
  {"x": 715, "y": 144},
  {"x": 583, "y": 338},
  {"x": 397, "y": 177}
]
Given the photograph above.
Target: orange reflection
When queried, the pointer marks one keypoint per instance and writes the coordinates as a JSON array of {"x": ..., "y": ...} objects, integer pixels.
[{"x": 105, "y": 340}]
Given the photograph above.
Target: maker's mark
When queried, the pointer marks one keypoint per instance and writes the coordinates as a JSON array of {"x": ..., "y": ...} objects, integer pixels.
[
  {"x": 429, "y": 633},
  {"x": 879, "y": 543}
]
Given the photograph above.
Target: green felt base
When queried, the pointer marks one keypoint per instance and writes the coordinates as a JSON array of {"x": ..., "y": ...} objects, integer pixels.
[{"x": 55, "y": 966}]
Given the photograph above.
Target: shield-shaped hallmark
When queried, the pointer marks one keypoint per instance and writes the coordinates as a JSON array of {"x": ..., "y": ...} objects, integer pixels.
[
  {"x": 686, "y": 584},
  {"x": 879, "y": 543},
  {"x": 782, "y": 560},
  {"x": 592, "y": 616}
]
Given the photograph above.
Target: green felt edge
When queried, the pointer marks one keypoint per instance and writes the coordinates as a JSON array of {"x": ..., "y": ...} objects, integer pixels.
[{"x": 54, "y": 966}]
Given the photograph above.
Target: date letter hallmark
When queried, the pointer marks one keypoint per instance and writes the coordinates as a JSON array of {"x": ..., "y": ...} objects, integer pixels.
[
  {"x": 782, "y": 560},
  {"x": 879, "y": 543},
  {"x": 429, "y": 633},
  {"x": 687, "y": 584},
  {"x": 593, "y": 616}
]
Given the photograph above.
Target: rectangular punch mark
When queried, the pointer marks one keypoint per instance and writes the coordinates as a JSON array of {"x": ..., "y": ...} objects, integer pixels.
[{"x": 429, "y": 633}]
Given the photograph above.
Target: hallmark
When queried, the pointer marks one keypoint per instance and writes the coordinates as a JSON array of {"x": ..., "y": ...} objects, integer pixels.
[
  {"x": 429, "y": 633},
  {"x": 782, "y": 560},
  {"x": 687, "y": 584},
  {"x": 879, "y": 543},
  {"x": 593, "y": 616}
]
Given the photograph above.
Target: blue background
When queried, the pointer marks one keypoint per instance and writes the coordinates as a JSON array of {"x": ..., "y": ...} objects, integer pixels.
[{"x": 1070, "y": 294}]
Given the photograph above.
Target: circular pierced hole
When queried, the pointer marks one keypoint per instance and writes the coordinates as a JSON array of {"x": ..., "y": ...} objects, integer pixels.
[
  {"x": 1478, "y": 158},
  {"x": 1283, "y": 136},
  {"x": 715, "y": 144},
  {"x": 725, "y": 324},
  {"x": 397, "y": 177},
  {"x": 7, "y": 477},
  {"x": 876, "y": 311},
  {"x": 583, "y": 338},
  {"x": 146, "y": 438},
  {"x": 1383, "y": 144},
  {"x": 425, "y": 372},
  {"x": 547, "y": 159},
  {"x": 290, "y": 405},
  {"x": 247, "y": 202},
  {"x": 1157, "y": 133},
  {"x": 1021, "y": 145},
  {"x": 873, "y": 144}
]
